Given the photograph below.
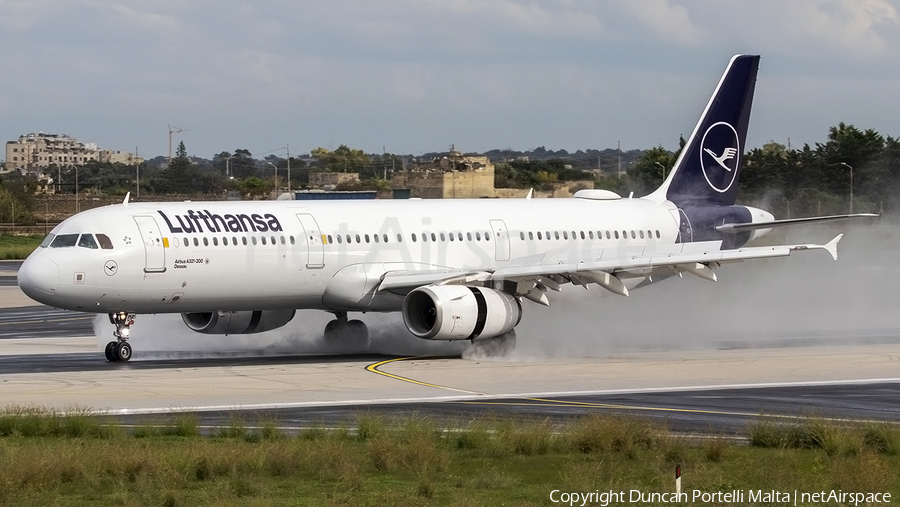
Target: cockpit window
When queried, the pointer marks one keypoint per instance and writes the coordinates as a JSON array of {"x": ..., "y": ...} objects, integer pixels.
[
  {"x": 87, "y": 241},
  {"x": 47, "y": 240},
  {"x": 64, "y": 240},
  {"x": 104, "y": 241}
]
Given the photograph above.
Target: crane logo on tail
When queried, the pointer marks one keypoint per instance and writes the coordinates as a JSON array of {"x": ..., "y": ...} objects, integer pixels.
[{"x": 720, "y": 156}]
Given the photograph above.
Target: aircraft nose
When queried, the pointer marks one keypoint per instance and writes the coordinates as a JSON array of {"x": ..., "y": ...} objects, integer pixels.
[{"x": 38, "y": 278}]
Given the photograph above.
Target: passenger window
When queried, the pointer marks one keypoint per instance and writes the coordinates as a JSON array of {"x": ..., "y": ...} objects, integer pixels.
[
  {"x": 64, "y": 240},
  {"x": 47, "y": 240},
  {"x": 478, "y": 236},
  {"x": 433, "y": 237},
  {"x": 375, "y": 237},
  {"x": 531, "y": 235},
  {"x": 582, "y": 235},
  {"x": 87, "y": 241},
  {"x": 338, "y": 238},
  {"x": 469, "y": 236},
  {"x": 253, "y": 240},
  {"x": 590, "y": 234},
  {"x": 292, "y": 239},
  {"x": 556, "y": 234},
  {"x": 205, "y": 241},
  {"x": 657, "y": 234},
  {"x": 617, "y": 234},
  {"x": 215, "y": 241},
  {"x": 367, "y": 238},
  {"x": 349, "y": 239},
  {"x": 106, "y": 244},
  {"x": 539, "y": 235},
  {"x": 234, "y": 240},
  {"x": 399, "y": 238},
  {"x": 414, "y": 237},
  {"x": 487, "y": 236},
  {"x": 358, "y": 240},
  {"x": 244, "y": 240},
  {"x": 575, "y": 236},
  {"x": 632, "y": 235},
  {"x": 459, "y": 236},
  {"x": 262, "y": 240},
  {"x": 642, "y": 234},
  {"x": 196, "y": 242},
  {"x": 384, "y": 237},
  {"x": 607, "y": 235},
  {"x": 273, "y": 239},
  {"x": 452, "y": 238}
]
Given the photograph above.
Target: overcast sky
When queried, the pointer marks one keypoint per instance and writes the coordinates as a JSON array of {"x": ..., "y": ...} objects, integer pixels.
[{"x": 414, "y": 76}]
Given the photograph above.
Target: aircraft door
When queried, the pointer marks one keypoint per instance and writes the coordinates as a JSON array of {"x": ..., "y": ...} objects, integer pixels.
[
  {"x": 154, "y": 251},
  {"x": 314, "y": 244},
  {"x": 501, "y": 240},
  {"x": 685, "y": 231}
]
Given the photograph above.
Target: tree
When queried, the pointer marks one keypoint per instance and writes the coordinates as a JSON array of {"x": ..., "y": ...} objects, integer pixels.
[
  {"x": 181, "y": 175},
  {"x": 343, "y": 159},
  {"x": 647, "y": 173}
]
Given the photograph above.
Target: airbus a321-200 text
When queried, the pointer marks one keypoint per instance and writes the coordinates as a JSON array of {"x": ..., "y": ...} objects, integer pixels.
[{"x": 455, "y": 269}]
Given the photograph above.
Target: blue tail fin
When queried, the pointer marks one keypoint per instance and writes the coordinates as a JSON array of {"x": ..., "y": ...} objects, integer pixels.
[{"x": 708, "y": 168}]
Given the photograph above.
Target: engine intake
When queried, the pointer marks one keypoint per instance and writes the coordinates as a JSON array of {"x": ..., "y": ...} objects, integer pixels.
[
  {"x": 457, "y": 312},
  {"x": 244, "y": 322}
]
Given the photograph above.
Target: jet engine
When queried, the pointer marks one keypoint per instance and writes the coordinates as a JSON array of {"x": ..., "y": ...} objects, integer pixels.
[
  {"x": 457, "y": 312},
  {"x": 244, "y": 322}
]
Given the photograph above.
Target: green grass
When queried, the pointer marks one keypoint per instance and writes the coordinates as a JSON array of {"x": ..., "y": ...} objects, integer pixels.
[
  {"x": 48, "y": 458},
  {"x": 18, "y": 246}
]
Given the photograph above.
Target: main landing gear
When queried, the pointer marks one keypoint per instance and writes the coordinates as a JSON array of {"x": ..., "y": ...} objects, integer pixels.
[
  {"x": 120, "y": 350},
  {"x": 343, "y": 332}
]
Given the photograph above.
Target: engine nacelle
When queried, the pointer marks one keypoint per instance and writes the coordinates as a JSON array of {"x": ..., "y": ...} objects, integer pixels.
[
  {"x": 237, "y": 322},
  {"x": 457, "y": 312}
]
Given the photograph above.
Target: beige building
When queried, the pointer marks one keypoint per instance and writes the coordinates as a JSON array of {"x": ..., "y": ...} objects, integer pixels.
[
  {"x": 321, "y": 180},
  {"x": 455, "y": 175},
  {"x": 35, "y": 152}
]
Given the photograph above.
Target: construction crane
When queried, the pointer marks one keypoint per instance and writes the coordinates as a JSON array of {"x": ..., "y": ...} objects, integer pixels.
[{"x": 173, "y": 130}]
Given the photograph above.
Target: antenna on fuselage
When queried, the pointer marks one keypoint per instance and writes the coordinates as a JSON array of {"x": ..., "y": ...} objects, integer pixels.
[
  {"x": 530, "y": 192},
  {"x": 127, "y": 196}
]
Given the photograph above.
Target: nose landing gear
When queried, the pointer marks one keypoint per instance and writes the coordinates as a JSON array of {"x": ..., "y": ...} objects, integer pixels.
[{"x": 120, "y": 350}]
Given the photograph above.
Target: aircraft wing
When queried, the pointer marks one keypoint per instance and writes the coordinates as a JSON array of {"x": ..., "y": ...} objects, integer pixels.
[{"x": 543, "y": 272}]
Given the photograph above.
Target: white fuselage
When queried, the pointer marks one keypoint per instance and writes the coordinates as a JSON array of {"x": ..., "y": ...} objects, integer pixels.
[{"x": 260, "y": 255}]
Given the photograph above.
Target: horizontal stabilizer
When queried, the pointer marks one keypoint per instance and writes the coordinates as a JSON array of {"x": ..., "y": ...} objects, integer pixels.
[{"x": 730, "y": 228}]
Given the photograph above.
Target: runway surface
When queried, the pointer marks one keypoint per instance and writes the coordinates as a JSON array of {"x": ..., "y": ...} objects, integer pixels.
[
  {"x": 696, "y": 392},
  {"x": 51, "y": 358}
]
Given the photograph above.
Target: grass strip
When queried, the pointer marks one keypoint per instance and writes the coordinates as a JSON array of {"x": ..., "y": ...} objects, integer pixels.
[{"x": 81, "y": 458}]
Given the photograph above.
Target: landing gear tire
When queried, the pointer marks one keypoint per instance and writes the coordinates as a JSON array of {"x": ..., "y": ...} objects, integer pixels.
[
  {"x": 123, "y": 351},
  {"x": 493, "y": 347},
  {"x": 346, "y": 334},
  {"x": 120, "y": 350},
  {"x": 111, "y": 352}
]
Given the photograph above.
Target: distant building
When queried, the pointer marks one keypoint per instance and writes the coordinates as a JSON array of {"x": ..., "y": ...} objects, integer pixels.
[
  {"x": 36, "y": 152},
  {"x": 451, "y": 176}
]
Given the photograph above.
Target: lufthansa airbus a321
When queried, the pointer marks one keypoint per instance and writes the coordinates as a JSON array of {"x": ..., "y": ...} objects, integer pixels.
[{"x": 455, "y": 269}]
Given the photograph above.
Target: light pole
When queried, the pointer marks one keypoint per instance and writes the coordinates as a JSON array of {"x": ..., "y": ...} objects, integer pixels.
[
  {"x": 76, "y": 186},
  {"x": 851, "y": 185},
  {"x": 276, "y": 177},
  {"x": 663, "y": 170}
]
